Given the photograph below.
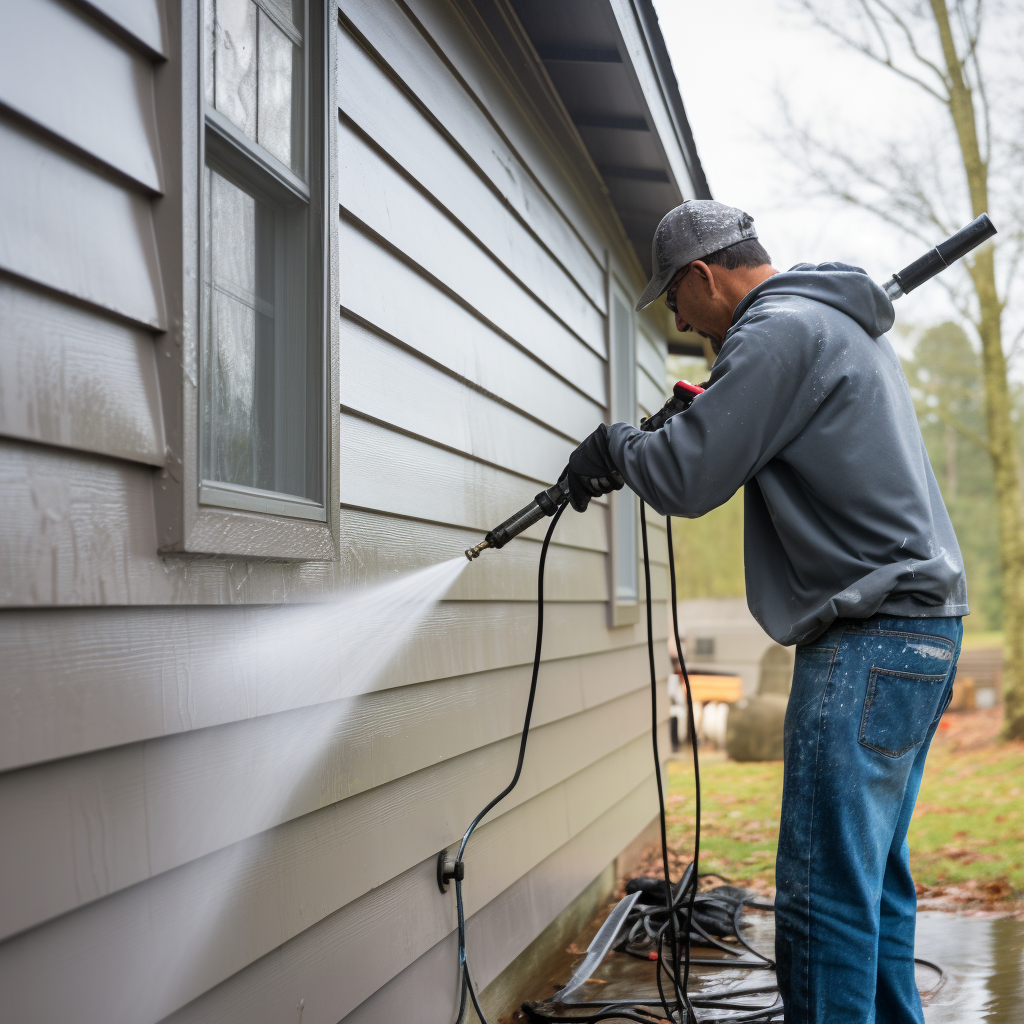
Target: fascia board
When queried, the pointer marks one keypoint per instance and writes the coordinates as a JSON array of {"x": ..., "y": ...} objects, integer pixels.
[{"x": 644, "y": 70}]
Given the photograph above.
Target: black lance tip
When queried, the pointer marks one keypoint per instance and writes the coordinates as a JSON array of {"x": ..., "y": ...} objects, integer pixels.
[{"x": 943, "y": 255}]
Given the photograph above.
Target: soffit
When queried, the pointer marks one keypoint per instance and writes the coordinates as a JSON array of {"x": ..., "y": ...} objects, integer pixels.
[{"x": 609, "y": 65}]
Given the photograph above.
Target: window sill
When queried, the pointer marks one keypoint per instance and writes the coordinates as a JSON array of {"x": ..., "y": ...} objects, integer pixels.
[
  {"x": 624, "y": 614},
  {"x": 251, "y": 499},
  {"x": 255, "y": 536}
]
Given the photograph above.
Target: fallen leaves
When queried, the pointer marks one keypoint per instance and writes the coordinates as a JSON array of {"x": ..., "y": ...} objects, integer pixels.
[{"x": 996, "y": 896}]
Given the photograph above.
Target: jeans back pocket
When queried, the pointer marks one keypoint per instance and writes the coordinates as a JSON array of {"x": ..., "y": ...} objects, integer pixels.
[{"x": 899, "y": 709}]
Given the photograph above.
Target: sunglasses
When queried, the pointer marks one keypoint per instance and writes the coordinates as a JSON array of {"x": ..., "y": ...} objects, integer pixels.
[{"x": 670, "y": 295}]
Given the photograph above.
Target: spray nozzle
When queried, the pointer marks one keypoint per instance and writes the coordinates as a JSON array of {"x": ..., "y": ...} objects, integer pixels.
[{"x": 474, "y": 552}]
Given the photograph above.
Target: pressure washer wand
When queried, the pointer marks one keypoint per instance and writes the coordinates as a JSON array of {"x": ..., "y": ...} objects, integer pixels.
[
  {"x": 943, "y": 255},
  {"x": 545, "y": 504},
  {"x": 548, "y": 502}
]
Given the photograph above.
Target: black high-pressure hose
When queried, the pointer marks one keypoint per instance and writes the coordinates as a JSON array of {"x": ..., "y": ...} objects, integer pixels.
[
  {"x": 637, "y": 1010},
  {"x": 682, "y": 999},
  {"x": 692, "y": 730},
  {"x": 457, "y": 873},
  {"x": 687, "y": 888},
  {"x": 466, "y": 982}
]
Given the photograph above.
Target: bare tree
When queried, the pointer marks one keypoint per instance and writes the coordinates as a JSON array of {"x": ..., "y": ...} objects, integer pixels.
[{"x": 937, "y": 46}]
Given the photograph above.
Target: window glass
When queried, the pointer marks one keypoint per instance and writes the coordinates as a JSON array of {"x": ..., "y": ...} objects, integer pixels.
[
  {"x": 623, "y": 395},
  {"x": 261, "y": 387},
  {"x": 253, "y": 73},
  {"x": 277, "y": 55}
]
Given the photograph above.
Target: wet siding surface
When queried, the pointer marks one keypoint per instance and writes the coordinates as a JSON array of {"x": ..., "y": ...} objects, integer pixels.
[{"x": 145, "y": 874}]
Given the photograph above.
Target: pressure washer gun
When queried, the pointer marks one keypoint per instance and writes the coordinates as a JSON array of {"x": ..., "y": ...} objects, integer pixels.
[
  {"x": 548, "y": 502},
  {"x": 683, "y": 392}
]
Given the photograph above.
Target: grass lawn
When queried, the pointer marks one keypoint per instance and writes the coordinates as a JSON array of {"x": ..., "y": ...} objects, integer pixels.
[{"x": 966, "y": 840}]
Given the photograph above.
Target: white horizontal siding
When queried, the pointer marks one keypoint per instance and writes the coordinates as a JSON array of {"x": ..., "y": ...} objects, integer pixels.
[
  {"x": 143, "y": 809},
  {"x": 141, "y": 21},
  {"x": 650, "y": 356},
  {"x": 71, "y": 378},
  {"x": 413, "y": 140},
  {"x": 475, "y": 123},
  {"x": 443, "y": 486},
  {"x": 439, "y": 407},
  {"x": 102, "y": 678},
  {"x": 73, "y": 524},
  {"x": 335, "y": 962},
  {"x": 142, "y": 953},
  {"x": 79, "y": 531},
  {"x": 486, "y": 76},
  {"x": 109, "y": 112},
  {"x": 69, "y": 227},
  {"x": 376, "y": 196},
  {"x": 649, "y": 397},
  {"x": 406, "y": 305}
]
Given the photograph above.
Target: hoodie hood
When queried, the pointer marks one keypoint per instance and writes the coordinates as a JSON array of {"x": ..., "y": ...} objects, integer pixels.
[{"x": 846, "y": 288}]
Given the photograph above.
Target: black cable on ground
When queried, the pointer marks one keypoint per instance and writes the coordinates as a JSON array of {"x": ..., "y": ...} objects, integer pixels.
[{"x": 466, "y": 982}]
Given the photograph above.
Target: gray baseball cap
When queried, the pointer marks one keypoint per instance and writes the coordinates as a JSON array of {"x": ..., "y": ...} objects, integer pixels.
[{"x": 689, "y": 232}]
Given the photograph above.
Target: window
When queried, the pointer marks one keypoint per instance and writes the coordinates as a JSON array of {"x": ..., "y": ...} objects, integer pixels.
[
  {"x": 623, "y": 503},
  {"x": 262, "y": 364}
]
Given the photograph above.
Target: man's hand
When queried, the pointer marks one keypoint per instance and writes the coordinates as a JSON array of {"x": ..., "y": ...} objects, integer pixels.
[{"x": 590, "y": 470}]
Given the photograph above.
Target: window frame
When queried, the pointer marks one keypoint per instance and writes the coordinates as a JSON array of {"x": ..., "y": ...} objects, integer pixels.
[
  {"x": 256, "y": 524},
  {"x": 622, "y": 408}
]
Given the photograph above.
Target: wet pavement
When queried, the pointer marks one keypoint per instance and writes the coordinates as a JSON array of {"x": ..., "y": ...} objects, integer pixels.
[
  {"x": 984, "y": 962},
  {"x": 982, "y": 959}
]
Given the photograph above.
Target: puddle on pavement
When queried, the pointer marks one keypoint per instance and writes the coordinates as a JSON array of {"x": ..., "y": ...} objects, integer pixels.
[{"x": 983, "y": 960}]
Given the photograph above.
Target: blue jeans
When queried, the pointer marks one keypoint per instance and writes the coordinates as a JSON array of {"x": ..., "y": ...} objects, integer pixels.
[{"x": 867, "y": 697}]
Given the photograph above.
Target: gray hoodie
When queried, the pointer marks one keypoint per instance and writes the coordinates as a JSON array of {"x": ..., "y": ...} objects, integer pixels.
[{"x": 809, "y": 409}]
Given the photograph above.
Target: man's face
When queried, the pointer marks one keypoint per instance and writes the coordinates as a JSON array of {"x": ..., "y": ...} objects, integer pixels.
[{"x": 690, "y": 298}]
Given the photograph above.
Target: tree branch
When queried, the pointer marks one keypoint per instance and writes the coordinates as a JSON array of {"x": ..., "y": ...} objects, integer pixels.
[
  {"x": 907, "y": 196},
  {"x": 911, "y": 41},
  {"x": 867, "y": 51},
  {"x": 971, "y": 56}
]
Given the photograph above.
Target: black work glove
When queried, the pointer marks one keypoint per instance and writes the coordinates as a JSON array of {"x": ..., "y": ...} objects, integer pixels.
[{"x": 590, "y": 471}]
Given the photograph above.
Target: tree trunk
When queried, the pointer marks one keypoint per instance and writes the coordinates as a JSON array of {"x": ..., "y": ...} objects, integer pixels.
[{"x": 998, "y": 406}]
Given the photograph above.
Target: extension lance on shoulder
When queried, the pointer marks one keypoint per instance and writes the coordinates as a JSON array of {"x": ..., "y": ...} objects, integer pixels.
[
  {"x": 683, "y": 393},
  {"x": 552, "y": 502}
]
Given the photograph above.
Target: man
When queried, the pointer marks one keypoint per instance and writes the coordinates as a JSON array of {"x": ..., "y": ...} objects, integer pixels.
[{"x": 849, "y": 554}]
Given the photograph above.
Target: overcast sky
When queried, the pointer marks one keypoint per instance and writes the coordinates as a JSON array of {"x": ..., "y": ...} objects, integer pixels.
[{"x": 733, "y": 59}]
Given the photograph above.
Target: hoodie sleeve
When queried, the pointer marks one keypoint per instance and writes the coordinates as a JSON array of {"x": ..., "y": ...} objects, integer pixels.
[{"x": 763, "y": 391}]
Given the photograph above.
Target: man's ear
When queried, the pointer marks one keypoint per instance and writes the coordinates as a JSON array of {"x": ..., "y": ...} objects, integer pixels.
[{"x": 705, "y": 272}]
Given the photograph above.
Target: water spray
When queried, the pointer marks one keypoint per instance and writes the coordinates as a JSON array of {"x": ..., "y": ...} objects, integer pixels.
[{"x": 675, "y": 929}]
